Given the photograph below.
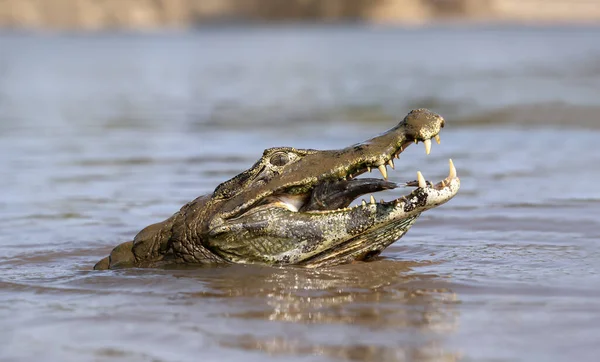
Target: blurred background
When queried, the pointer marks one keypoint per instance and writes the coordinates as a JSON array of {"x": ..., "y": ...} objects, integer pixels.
[
  {"x": 113, "y": 114},
  {"x": 152, "y": 14}
]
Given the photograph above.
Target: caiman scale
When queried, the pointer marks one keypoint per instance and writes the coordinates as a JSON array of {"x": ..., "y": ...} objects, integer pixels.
[{"x": 292, "y": 207}]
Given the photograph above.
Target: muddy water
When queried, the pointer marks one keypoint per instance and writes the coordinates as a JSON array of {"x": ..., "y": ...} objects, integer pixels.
[{"x": 103, "y": 135}]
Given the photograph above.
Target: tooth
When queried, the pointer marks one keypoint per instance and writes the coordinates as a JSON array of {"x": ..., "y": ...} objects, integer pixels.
[
  {"x": 421, "y": 179},
  {"x": 372, "y": 199},
  {"x": 427, "y": 146},
  {"x": 398, "y": 155},
  {"x": 452, "y": 173},
  {"x": 416, "y": 141},
  {"x": 383, "y": 171},
  {"x": 438, "y": 139},
  {"x": 391, "y": 163},
  {"x": 381, "y": 201},
  {"x": 364, "y": 203},
  {"x": 369, "y": 168}
]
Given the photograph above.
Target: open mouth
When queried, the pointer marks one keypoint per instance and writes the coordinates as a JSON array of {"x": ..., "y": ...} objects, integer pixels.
[{"x": 337, "y": 195}]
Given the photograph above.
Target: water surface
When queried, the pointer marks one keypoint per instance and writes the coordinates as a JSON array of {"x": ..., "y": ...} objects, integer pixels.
[{"x": 101, "y": 135}]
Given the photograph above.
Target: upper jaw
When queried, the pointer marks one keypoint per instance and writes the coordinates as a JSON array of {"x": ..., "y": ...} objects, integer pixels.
[
  {"x": 381, "y": 162},
  {"x": 316, "y": 167},
  {"x": 348, "y": 187}
]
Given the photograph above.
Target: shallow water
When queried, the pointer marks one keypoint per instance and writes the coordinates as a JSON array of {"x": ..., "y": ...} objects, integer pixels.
[{"x": 103, "y": 135}]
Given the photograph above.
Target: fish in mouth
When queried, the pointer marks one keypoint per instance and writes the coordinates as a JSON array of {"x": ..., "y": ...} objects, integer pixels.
[{"x": 292, "y": 207}]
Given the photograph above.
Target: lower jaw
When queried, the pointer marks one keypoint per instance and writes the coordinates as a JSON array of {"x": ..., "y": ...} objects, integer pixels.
[{"x": 362, "y": 247}]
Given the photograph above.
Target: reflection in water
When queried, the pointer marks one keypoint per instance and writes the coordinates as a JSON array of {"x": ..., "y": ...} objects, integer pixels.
[
  {"x": 356, "y": 352},
  {"x": 407, "y": 315}
]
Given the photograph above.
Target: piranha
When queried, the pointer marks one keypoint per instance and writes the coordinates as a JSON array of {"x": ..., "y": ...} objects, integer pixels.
[{"x": 292, "y": 207}]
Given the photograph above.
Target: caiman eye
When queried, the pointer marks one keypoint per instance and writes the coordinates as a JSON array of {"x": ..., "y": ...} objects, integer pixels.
[{"x": 279, "y": 159}]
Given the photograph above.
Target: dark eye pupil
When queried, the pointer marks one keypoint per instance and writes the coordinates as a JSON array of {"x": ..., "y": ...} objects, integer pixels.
[{"x": 279, "y": 159}]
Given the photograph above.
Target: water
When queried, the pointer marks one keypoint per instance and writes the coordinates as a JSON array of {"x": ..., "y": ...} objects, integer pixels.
[{"x": 101, "y": 135}]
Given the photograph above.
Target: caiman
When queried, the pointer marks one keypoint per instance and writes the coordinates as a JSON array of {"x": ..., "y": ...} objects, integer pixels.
[{"x": 293, "y": 207}]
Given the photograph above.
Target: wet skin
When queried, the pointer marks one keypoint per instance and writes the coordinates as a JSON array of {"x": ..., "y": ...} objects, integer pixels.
[{"x": 291, "y": 207}]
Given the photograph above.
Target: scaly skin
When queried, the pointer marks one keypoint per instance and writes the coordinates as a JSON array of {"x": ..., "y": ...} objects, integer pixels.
[{"x": 291, "y": 207}]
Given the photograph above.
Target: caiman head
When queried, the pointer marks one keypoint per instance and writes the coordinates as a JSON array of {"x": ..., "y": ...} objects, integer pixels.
[{"x": 292, "y": 207}]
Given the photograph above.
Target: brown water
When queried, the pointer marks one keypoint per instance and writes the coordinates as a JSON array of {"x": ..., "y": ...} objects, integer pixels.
[{"x": 103, "y": 135}]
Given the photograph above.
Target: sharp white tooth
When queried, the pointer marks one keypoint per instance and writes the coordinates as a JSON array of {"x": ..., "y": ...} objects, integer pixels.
[
  {"x": 416, "y": 141},
  {"x": 369, "y": 168},
  {"x": 427, "y": 146},
  {"x": 372, "y": 199},
  {"x": 364, "y": 203},
  {"x": 452, "y": 173},
  {"x": 383, "y": 171},
  {"x": 438, "y": 139},
  {"x": 381, "y": 201},
  {"x": 398, "y": 155},
  {"x": 391, "y": 163},
  {"x": 421, "y": 179}
]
